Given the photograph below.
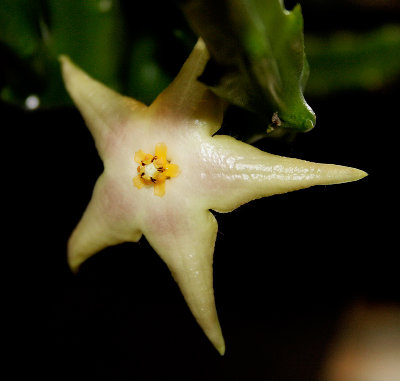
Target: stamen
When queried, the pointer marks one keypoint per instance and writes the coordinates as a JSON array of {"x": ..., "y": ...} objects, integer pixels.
[{"x": 154, "y": 170}]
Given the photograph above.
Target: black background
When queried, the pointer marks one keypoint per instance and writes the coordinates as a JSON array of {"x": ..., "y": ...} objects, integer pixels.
[{"x": 285, "y": 267}]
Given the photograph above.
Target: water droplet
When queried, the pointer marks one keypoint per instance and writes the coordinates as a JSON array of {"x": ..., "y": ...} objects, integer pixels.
[{"x": 32, "y": 102}]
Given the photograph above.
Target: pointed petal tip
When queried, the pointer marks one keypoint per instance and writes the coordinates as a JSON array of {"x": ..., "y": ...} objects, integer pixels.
[
  {"x": 74, "y": 263},
  {"x": 217, "y": 341},
  {"x": 64, "y": 61},
  {"x": 62, "y": 58},
  {"x": 221, "y": 349},
  {"x": 75, "y": 257},
  {"x": 74, "y": 268},
  {"x": 359, "y": 174},
  {"x": 343, "y": 174},
  {"x": 216, "y": 338},
  {"x": 331, "y": 174},
  {"x": 200, "y": 45},
  {"x": 68, "y": 68}
]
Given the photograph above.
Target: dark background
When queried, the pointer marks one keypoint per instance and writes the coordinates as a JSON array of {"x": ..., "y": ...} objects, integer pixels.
[{"x": 285, "y": 268}]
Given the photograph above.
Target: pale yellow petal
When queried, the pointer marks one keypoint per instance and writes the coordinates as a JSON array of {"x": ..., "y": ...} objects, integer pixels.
[
  {"x": 188, "y": 100},
  {"x": 242, "y": 173},
  {"x": 103, "y": 109},
  {"x": 101, "y": 225},
  {"x": 139, "y": 156},
  {"x": 161, "y": 151},
  {"x": 159, "y": 189},
  {"x": 187, "y": 247},
  {"x": 137, "y": 182},
  {"x": 172, "y": 170},
  {"x": 148, "y": 158}
]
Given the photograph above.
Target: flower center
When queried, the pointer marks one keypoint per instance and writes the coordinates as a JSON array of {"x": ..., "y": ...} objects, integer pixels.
[
  {"x": 150, "y": 170},
  {"x": 154, "y": 170}
]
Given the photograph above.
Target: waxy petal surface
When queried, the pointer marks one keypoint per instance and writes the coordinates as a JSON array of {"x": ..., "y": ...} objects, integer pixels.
[
  {"x": 102, "y": 108},
  {"x": 106, "y": 221},
  {"x": 236, "y": 173},
  {"x": 186, "y": 245},
  {"x": 212, "y": 172}
]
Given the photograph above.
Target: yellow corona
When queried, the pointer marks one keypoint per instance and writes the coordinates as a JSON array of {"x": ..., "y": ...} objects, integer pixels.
[{"x": 154, "y": 170}]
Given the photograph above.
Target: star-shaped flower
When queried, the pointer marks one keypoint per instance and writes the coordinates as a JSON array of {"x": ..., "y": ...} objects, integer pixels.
[{"x": 163, "y": 172}]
